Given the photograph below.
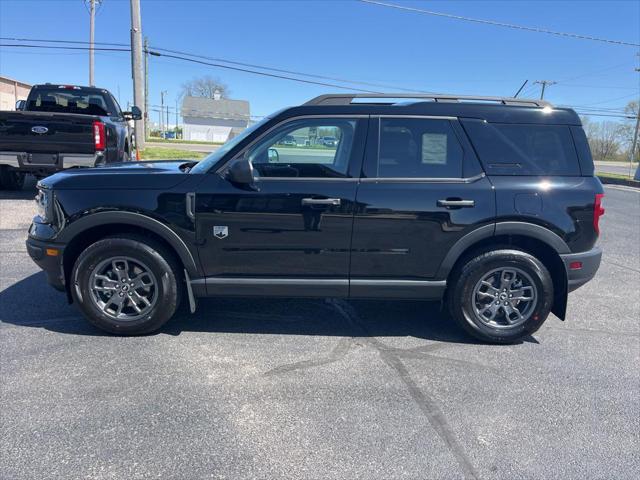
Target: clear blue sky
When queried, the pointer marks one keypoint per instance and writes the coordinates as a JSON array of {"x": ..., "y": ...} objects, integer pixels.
[{"x": 341, "y": 39}]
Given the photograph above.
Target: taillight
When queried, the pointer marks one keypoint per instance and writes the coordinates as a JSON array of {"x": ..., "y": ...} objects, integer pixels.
[
  {"x": 99, "y": 137},
  {"x": 598, "y": 211}
]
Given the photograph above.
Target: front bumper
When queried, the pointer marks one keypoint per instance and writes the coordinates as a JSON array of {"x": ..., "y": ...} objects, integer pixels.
[
  {"x": 589, "y": 261},
  {"x": 42, "y": 253}
]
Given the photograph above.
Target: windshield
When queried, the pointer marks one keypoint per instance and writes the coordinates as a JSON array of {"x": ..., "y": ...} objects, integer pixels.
[{"x": 214, "y": 157}]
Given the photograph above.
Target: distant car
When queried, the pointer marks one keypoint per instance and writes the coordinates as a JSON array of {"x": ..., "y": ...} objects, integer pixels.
[
  {"x": 62, "y": 126},
  {"x": 329, "y": 141},
  {"x": 289, "y": 140}
]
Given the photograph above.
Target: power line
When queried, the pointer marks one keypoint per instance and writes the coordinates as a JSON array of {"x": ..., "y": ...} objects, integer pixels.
[
  {"x": 178, "y": 57},
  {"x": 106, "y": 49},
  {"x": 609, "y": 87},
  {"x": 255, "y": 72},
  {"x": 48, "y": 40},
  {"x": 233, "y": 62},
  {"x": 620, "y": 110},
  {"x": 604, "y": 115},
  {"x": 528, "y": 90},
  {"x": 158, "y": 54},
  {"x": 594, "y": 72},
  {"x": 611, "y": 100},
  {"x": 500, "y": 24},
  {"x": 292, "y": 72}
]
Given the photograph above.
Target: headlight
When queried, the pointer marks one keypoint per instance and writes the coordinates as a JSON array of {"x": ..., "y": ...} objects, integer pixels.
[{"x": 44, "y": 202}]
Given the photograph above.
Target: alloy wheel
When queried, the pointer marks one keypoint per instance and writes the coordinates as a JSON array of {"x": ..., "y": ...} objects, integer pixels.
[
  {"x": 123, "y": 288},
  {"x": 504, "y": 297}
]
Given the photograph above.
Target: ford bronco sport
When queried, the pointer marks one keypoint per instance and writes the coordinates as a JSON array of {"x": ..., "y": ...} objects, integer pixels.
[{"x": 487, "y": 204}]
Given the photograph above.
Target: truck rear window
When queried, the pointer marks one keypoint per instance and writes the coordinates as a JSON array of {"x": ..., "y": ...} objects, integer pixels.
[
  {"x": 67, "y": 100},
  {"x": 518, "y": 149}
]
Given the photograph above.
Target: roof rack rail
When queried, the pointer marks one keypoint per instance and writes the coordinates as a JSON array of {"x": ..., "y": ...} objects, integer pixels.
[{"x": 347, "y": 98}]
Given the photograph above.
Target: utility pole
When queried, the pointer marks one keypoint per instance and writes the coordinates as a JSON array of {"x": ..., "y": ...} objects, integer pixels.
[
  {"x": 544, "y": 83},
  {"x": 136, "y": 71},
  {"x": 176, "y": 129},
  {"x": 162, "y": 120},
  {"x": 146, "y": 87},
  {"x": 92, "y": 25},
  {"x": 635, "y": 136}
]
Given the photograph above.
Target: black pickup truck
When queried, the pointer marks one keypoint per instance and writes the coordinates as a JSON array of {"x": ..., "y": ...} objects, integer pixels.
[
  {"x": 488, "y": 204},
  {"x": 62, "y": 126}
]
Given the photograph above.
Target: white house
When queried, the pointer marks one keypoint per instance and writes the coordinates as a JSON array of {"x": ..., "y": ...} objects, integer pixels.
[{"x": 213, "y": 119}]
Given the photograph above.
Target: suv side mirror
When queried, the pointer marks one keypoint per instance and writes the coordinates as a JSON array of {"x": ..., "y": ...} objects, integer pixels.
[
  {"x": 241, "y": 173},
  {"x": 273, "y": 156},
  {"x": 134, "y": 114},
  {"x": 20, "y": 104}
]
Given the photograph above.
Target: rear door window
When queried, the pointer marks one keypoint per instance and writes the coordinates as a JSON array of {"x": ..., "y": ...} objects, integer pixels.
[
  {"x": 418, "y": 148},
  {"x": 518, "y": 149}
]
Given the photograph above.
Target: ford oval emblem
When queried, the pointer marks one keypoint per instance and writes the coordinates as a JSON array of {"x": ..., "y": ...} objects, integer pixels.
[{"x": 39, "y": 130}]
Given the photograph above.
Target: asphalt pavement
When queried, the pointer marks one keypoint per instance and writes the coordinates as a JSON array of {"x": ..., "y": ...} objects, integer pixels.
[{"x": 311, "y": 389}]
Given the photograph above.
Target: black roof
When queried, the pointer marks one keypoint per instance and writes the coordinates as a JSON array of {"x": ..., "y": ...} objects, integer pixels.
[
  {"x": 492, "y": 109},
  {"x": 81, "y": 87}
]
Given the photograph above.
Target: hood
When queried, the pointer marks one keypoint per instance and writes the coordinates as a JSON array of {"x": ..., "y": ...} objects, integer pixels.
[{"x": 153, "y": 175}]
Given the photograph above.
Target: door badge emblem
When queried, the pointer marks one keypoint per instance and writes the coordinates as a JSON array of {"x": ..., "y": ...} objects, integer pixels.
[{"x": 220, "y": 231}]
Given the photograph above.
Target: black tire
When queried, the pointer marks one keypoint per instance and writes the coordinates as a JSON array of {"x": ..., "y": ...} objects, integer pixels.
[
  {"x": 138, "y": 248},
  {"x": 11, "y": 179},
  {"x": 462, "y": 295}
]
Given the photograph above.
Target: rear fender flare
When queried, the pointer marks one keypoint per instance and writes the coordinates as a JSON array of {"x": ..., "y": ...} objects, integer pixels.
[{"x": 501, "y": 228}]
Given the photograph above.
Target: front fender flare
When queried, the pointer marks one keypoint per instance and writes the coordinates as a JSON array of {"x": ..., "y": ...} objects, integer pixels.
[{"x": 134, "y": 219}]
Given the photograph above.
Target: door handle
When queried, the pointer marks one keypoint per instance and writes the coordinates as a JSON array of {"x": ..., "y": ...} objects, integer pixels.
[
  {"x": 190, "y": 206},
  {"x": 321, "y": 201},
  {"x": 456, "y": 203}
]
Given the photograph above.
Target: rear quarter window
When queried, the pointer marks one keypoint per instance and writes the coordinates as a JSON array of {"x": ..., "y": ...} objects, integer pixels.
[{"x": 523, "y": 149}]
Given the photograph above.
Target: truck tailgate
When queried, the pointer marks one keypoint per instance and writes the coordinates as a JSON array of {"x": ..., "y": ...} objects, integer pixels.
[{"x": 42, "y": 132}]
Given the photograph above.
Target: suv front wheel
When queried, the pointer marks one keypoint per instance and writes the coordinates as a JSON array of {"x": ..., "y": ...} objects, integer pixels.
[
  {"x": 501, "y": 296},
  {"x": 126, "y": 285}
]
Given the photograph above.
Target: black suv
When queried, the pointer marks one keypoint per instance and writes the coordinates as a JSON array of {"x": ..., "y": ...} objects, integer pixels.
[{"x": 488, "y": 204}]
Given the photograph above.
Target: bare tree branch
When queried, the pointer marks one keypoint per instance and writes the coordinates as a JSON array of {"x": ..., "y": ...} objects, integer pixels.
[{"x": 205, "y": 87}]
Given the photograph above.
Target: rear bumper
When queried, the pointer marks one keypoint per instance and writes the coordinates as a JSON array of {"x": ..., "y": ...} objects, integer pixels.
[
  {"x": 590, "y": 262},
  {"x": 41, "y": 253},
  {"x": 26, "y": 162}
]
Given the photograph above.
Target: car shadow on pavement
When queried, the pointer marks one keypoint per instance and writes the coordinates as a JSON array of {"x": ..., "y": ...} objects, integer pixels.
[
  {"x": 26, "y": 193},
  {"x": 32, "y": 303}
]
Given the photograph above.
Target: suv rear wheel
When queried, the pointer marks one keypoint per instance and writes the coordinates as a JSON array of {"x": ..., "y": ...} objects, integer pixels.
[
  {"x": 501, "y": 296},
  {"x": 126, "y": 285}
]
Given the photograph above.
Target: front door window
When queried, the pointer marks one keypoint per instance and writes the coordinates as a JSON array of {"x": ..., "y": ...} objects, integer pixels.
[{"x": 308, "y": 148}]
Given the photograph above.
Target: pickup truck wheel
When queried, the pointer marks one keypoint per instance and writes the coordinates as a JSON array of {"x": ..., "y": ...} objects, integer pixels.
[
  {"x": 126, "y": 285},
  {"x": 11, "y": 180},
  {"x": 501, "y": 296}
]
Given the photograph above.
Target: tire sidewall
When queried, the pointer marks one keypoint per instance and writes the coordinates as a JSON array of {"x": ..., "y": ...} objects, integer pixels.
[
  {"x": 167, "y": 294},
  {"x": 477, "y": 269}
]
